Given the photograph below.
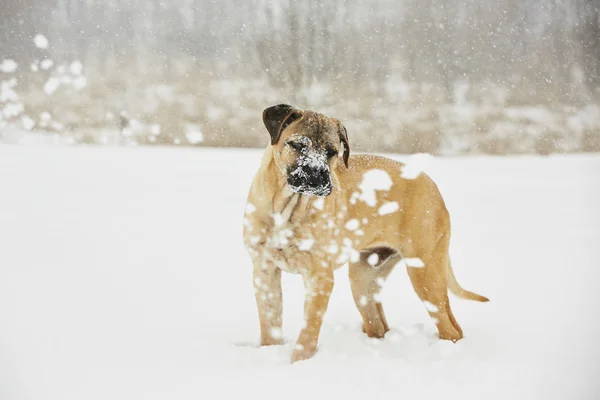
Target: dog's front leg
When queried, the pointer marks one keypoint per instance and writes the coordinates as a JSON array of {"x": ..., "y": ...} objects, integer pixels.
[
  {"x": 319, "y": 285},
  {"x": 267, "y": 290}
]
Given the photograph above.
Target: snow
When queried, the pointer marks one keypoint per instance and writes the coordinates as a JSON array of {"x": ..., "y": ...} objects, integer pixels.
[
  {"x": 413, "y": 262},
  {"x": 430, "y": 307},
  {"x": 7, "y": 92},
  {"x": 377, "y": 298},
  {"x": 311, "y": 158},
  {"x": 373, "y": 180},
  {"x": 155, "y": 129},
  {"x": 250, "y": 208},
  {"x": 76, "y": 68},
  {"x": 40, "y": 41},
  {"x": 389, "y": 208},
  {"x": 51, "y": 85},
  {"x": 318, "y": 203},
  {"x": 586, "y": 118},
  {"x": 306, "y": 244},
  {"x": 193, "y": 133},
  {"x": 194, "y": 137},
  {"x": 348, "y": 252},
  {"x": 8, "y": 65},
  {"x": 46, "y": 64},
  {"x": 415, "y": 165},
  {"x": 12, "y": 110},
  {"x": 123, "y": 276},
  {"x": 373, "y": 259},
  {"x": 27, "y": 122},
  {"x": 80, "y": 82},
  {"x": 352, "y": 224},
  {"x": 276, "y": 333}
]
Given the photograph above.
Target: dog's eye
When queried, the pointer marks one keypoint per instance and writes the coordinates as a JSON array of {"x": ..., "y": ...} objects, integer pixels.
[
  {"x": 331, "y": 152},
  {"x": 298, "y": 146}
]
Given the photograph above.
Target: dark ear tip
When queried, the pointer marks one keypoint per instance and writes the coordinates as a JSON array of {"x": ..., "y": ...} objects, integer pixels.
[
  {"x": 278, "y": 107},
  {"x": 275, "y": 118}
]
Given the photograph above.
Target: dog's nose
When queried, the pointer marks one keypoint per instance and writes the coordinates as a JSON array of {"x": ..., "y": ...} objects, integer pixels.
[
  {"x": 317, "y": 178},
  {"x": 312, "y": 181}
]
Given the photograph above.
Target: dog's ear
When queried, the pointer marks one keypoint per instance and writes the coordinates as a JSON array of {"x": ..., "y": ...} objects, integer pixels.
[
  {"x": 277, "y": 118},
  {"x": 344, "y": 139}
]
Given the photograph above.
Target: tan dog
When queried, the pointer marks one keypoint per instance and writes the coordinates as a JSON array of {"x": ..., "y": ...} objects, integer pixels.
[{"x": 310, "y": 211}]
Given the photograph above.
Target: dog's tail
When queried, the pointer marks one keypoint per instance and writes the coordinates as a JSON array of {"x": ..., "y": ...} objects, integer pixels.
[{"x": 459, "y": 291}]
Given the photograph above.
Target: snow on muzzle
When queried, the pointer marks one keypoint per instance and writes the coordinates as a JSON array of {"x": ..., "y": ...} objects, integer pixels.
[{"x": 310, "y": 175}]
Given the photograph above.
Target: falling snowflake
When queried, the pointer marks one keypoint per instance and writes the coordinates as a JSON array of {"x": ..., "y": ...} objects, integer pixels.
[
  {"x": 76, "y": 68},
  {"x": 8, "y": 66},
  {"x": 318, "y": 203},
  {"x": 276, "y": 333},
  {"x": 46, "y": 64},
  {"x": 306, "y": 244},
  {"x": 27, "y": 122},
  {"x": 352, "y": 224},
  {"x": 194, "y": 136},
  {"x": 155, "y": 129},
  {"x": 40, "y": 41},
  {"x": 250, "y": 208},
  {"x": 51, "y": 85},
  {"x": 373, "y": 259}
]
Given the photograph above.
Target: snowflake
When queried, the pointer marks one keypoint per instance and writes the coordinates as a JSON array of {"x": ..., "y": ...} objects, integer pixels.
[
  {"x": 373, "y": 259},
  {"x": 41, "y": 42},
  {"x": 352, "y": 224},
  {"x": 306, "y": 244}
]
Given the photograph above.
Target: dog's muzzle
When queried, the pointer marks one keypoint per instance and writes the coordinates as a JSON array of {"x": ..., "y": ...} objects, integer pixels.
[{"x": 310, "y": 180}]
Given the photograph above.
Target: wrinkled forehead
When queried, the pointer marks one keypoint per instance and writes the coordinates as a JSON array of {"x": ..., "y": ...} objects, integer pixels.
[{"x": 317, "y": 127}]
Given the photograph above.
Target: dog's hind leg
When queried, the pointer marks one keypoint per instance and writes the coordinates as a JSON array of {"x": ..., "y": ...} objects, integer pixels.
[
  {"x": 366, "y": 278},
  {"x": 431, "y": 285}
]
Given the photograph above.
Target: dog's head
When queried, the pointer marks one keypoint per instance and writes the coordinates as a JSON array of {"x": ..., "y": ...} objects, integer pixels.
[{"x": 306, "y": 147}]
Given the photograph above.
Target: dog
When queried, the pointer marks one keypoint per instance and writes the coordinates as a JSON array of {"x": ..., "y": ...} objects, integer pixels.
[{"x": 312, "y": 208}]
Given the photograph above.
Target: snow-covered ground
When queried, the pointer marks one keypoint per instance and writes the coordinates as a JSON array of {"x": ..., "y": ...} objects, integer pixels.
[{"x": 123, "y": 276}]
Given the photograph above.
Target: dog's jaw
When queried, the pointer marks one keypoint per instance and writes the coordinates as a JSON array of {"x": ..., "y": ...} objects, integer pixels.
[{"x": 322, "y": 191}]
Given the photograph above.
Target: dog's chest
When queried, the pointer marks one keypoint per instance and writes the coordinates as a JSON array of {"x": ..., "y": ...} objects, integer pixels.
[{"x": 321, "y": 239}]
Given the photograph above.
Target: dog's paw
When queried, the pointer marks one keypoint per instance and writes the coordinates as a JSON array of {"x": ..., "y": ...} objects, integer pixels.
[
  {"x": 376, "y": 331},
  {"x": 452, "y": 335},
  {"x": 271, "y": 342},
  {"x": 302, "y": 353}
]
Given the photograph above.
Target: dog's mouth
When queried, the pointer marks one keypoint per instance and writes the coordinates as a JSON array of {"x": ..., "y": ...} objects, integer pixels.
[
  {"x": 312, "y": 182},
  {"x": 320, "y": 191}
]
